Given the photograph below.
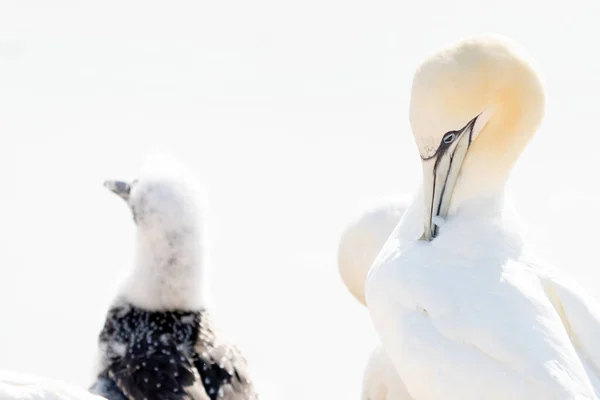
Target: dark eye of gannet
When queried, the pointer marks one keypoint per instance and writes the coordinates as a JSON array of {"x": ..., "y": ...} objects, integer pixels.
[
  {"x": 449, "y": 137},
  {"x": 447, "y": 140}
]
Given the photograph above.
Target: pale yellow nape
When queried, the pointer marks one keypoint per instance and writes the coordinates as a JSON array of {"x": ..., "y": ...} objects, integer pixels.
[{"x": 478, "y": 74}]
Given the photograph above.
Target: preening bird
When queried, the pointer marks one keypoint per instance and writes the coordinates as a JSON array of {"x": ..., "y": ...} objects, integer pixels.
[{"x": 461, "y": 305}]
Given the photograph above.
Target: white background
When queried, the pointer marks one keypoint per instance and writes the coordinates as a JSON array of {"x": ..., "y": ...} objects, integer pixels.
[{"x": 295, "y": 115}]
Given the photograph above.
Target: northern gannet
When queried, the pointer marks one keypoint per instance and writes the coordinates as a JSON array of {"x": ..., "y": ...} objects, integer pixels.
[
  {"x": 360, "y": 242},
  {"x": 16, "y": 386},
  {"x": 460, "y": 306},
  {"x": 362, "y": 239},
  {"x": 158, "y": 340}
]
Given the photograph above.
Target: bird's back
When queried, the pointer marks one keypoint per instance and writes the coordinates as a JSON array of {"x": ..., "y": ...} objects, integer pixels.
[{"x": 169, "y": 355}]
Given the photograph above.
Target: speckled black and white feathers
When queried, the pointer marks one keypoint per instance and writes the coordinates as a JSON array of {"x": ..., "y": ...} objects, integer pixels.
[
  {"x": 158, "y": 342},
  {"x": 168, "y": 355}
]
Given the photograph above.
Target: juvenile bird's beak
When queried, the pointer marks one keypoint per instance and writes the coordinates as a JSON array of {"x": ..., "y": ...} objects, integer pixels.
[
  {"x": 440, "y": 173},
  {"x": 120, "y": 188}
]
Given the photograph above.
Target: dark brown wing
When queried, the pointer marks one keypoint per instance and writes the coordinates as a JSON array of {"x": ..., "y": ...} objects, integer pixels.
[
  {"x": 154, "y": 371},
  {"x": 222, "y": 367}
]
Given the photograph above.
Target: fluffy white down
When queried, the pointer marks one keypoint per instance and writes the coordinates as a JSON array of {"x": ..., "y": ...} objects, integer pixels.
[
  {"x": 15, "y": 386},
  {"x": 171, "y": 260}
]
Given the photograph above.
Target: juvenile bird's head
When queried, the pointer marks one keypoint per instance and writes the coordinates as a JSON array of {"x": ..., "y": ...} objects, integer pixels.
[
  {"x": 168, "y": 207},
  {"x": 161, "y": 206}
]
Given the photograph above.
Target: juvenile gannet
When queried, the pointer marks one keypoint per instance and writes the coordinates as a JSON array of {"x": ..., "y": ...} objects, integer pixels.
[
  {"x": 460, "y": 307},
  {"x": 16, "y": 386},
  {"x": 158, "y": 340},
  {"x": 360, "y": 242}
]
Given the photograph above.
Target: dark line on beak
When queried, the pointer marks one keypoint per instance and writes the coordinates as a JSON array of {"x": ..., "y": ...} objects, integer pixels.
[
  {"x": 433, "y": 232},
  {"x": 442, "y": 148},
  {"x": 443, "y": 190},
  {"x": 472, "y": 123}
]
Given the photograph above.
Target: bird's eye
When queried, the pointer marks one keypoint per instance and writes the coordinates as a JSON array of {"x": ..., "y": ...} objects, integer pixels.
[{"x": 449, "y": 137}]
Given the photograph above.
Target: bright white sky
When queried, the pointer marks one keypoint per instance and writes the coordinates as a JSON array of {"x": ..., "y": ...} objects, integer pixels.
[{"x": 295, "y": 113}]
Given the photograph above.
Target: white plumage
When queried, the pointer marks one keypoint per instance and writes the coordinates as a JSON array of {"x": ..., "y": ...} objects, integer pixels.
[
  {"x": 15, "y": 386},
  {"x": 467, "y": 312},
  {"x": 359, "y": 244},
  {"x": 171, "y": 266},
  {"x": 159, "y": 340},
  {"x": 363, "y": 238}
]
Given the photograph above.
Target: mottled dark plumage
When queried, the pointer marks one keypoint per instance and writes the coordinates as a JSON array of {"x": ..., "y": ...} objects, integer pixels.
[
  {"x": 107, "y": 388},
  {"x": 168, "y": 355}
]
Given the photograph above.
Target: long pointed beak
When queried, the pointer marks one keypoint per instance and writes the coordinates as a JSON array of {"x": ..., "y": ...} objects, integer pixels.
[
  {"x": 120, "y": 188},
  {"x": 440, "y": 174}
]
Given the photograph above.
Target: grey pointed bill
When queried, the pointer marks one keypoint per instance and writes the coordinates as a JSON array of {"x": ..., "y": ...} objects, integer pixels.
[
  {"x": 440, "y": 173},
  {"x": 120, "y": 188}
]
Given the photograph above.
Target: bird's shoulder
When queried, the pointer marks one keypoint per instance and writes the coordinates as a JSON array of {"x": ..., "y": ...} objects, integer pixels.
[
  {"x": 221, "y": 364},
  {"x": 169, "y": 352},
  {"x": 150, "y": 353}
]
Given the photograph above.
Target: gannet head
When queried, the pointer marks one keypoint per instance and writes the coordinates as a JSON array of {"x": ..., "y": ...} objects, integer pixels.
[
  {"x": 169, "y": 208},
  {"x": 157, "y": 205},
  {"x": 363, "y": 238},
  {"x": 164, "y": 199},
  {"x": 474, "y": 107}
]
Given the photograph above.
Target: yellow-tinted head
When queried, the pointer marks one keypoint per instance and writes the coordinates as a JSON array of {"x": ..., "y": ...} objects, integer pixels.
[{"x": 474, "y": 107}]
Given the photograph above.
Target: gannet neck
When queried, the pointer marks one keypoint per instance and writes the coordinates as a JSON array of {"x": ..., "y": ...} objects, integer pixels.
[
  {"x": 169, "y": 271},
  {"x": 492, "y": 156}
]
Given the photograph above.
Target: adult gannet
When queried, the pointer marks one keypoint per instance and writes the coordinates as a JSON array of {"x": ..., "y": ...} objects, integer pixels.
[
  {"x": 158, "y": 340},
  {"x": 460, "y": 308},
  {"x": 360, "y": 242},
  {"x": 15, "y": 386},
  {"x": 362, "y": 239}
]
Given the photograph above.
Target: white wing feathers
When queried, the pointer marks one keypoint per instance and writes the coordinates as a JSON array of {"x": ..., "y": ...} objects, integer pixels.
[
  {"x": 380, "y": 380},
  {"x": 580, "y": 314},
  {"x": 493, "y": 332}
]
